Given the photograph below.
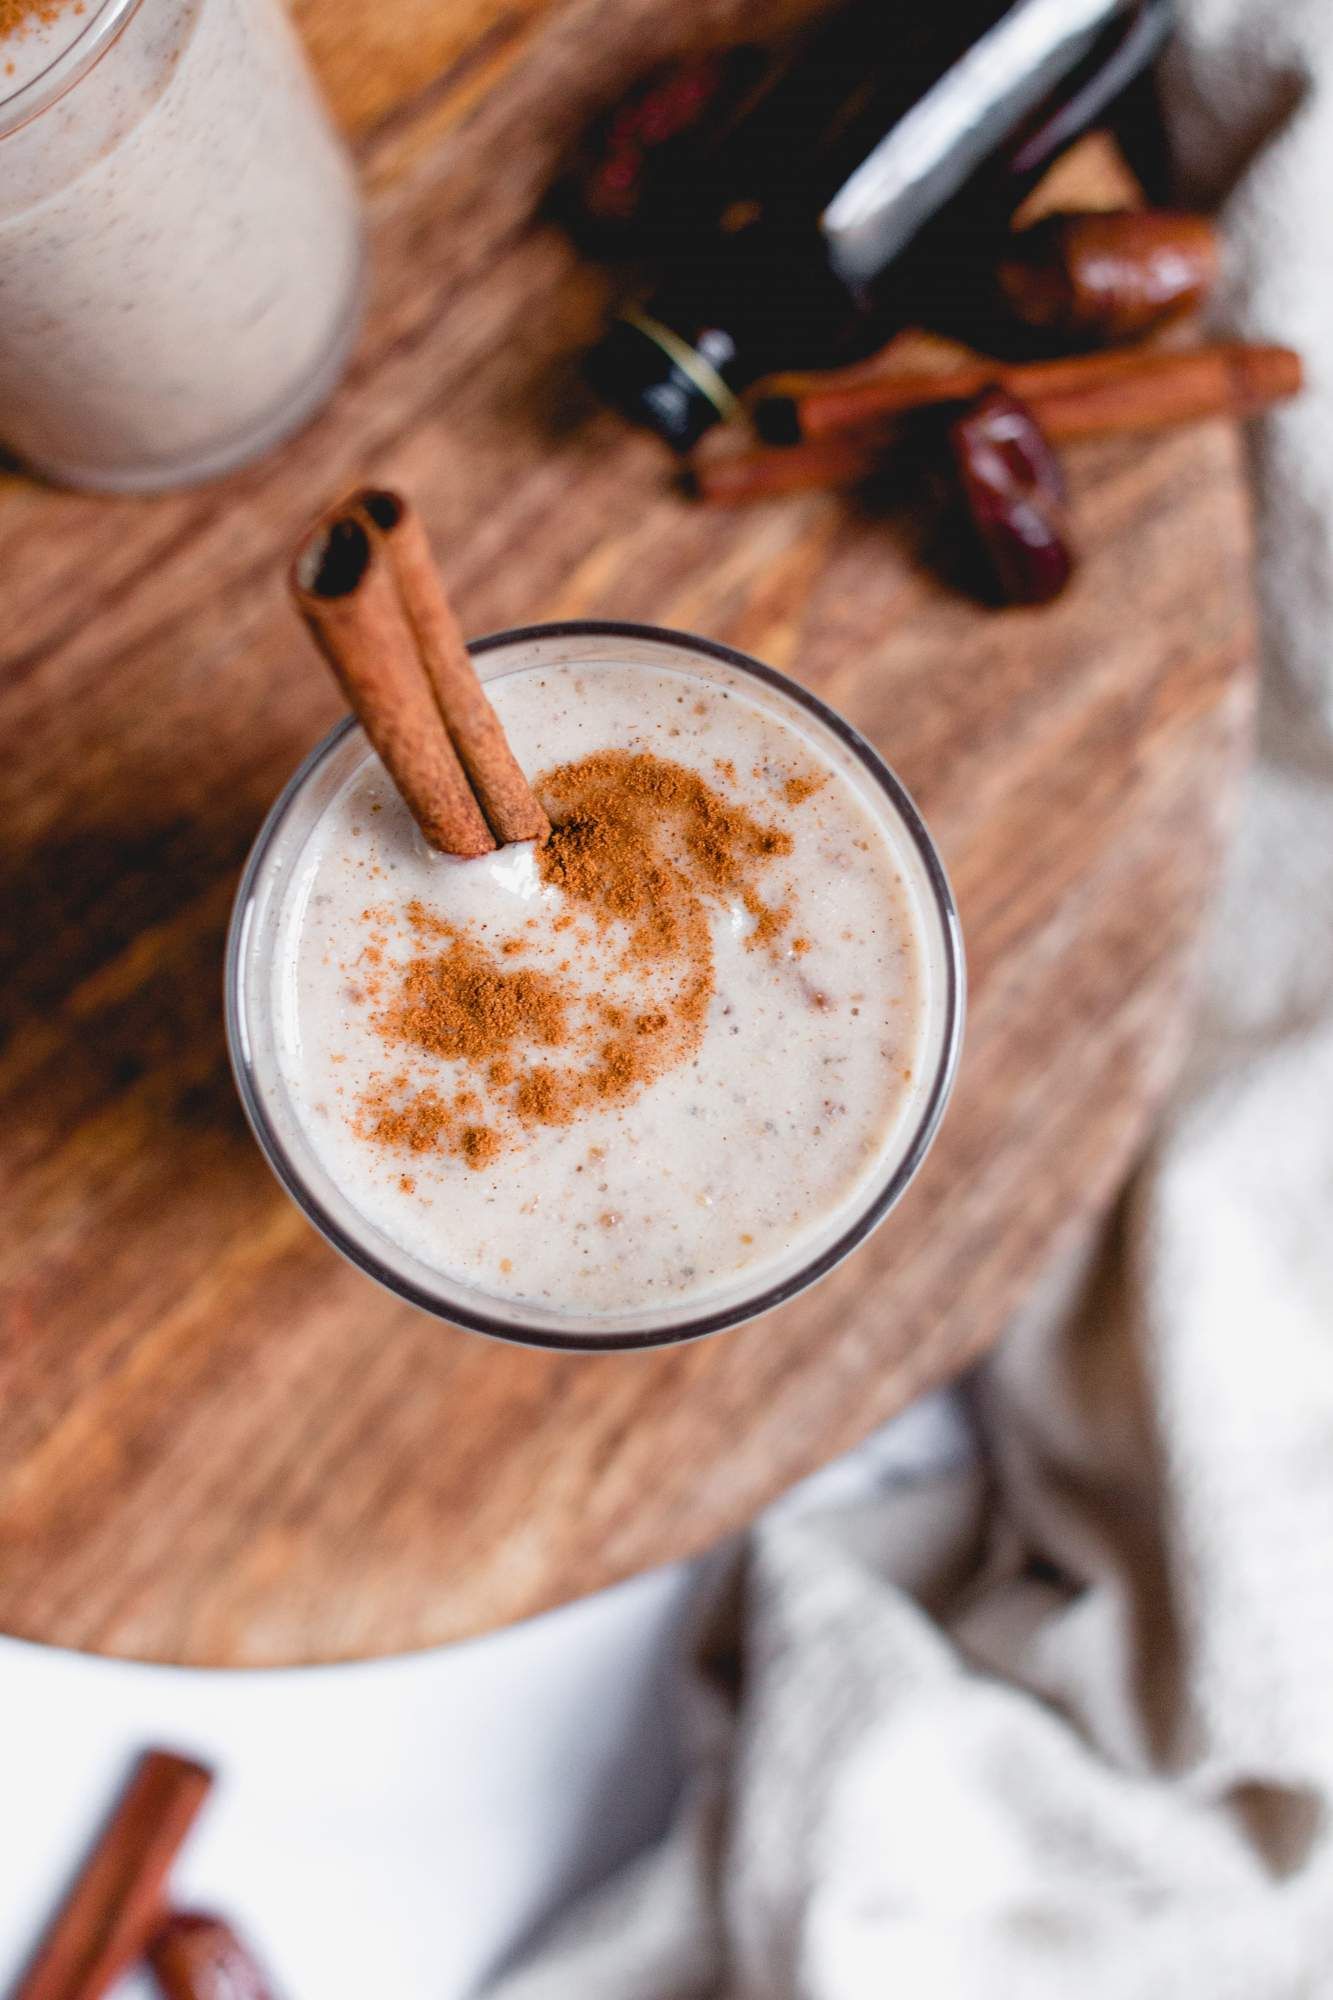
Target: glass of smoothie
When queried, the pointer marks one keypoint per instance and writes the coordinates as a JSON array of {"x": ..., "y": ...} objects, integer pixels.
[
  {"x": 633, "y": 1085},
  {"x": 180, "y": 238}
]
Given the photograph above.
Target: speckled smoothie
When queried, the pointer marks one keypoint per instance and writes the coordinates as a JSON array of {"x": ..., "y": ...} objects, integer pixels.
[
  {"x": 180, "y": 240},
  {"x": 637, "y": 1066}
]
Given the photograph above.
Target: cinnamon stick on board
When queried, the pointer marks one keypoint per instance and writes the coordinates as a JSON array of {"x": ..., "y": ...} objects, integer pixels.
[
  {"x": 731, "y": 478},
  {"x": 502, "y": 791},
  {"x": 197, "y": 1957},
  {"x": 117, "y": 1902},
  {"x": 1165, "y": 389},
  {"x": 345, "y": 590},
  {"x": 1081, "y": 396},
  {"x": 1093, "y": 396}
]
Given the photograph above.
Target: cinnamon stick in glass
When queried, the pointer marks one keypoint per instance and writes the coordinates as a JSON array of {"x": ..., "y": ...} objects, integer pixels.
[
  {"x": 502, "y": 791},
  {"x": 117, "y": 1902},
  {"x": 345, "y": 590}
]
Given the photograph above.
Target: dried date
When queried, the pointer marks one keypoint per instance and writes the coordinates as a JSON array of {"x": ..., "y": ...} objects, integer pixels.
[
  {"x": 1082, "y": 280},
  {"x": 197, "y": 1957},
  {"x": 1013, "y": 491}
]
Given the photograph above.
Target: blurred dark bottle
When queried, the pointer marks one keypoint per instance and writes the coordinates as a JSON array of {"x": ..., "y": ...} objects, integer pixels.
[{"x": 802, "y": 204}]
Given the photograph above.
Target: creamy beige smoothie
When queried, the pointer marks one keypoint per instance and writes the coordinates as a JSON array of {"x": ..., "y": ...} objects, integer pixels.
[
  {"x": 180, "y": 238},
  {"x": 635, "y": 1067}
]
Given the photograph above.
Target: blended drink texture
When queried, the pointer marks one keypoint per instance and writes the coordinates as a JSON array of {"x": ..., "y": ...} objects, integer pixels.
[
  {"x": 637, "y": 1063},
  {"x": 180, "y": 242}
]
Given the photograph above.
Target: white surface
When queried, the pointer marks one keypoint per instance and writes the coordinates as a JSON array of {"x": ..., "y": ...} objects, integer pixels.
[{"x": 380, "y": 1832}]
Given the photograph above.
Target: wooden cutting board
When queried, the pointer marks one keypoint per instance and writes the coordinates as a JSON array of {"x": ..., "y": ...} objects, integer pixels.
[{"x": 219, "y": 1444}]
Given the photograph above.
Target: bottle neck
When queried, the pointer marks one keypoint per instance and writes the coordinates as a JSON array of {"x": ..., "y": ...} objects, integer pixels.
[
  {"x": 759, "y": 298},
  {"x": 701, "y": 361}
]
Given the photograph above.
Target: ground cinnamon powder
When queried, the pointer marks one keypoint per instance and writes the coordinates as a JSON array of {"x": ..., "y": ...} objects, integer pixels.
[
  {"x": 16, "y": 16},
  {"x": 640, "y": 847},
  {"x": 459, "y": 1005}
]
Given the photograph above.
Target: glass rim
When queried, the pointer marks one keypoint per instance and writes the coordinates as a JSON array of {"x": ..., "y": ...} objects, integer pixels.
[
  {"x": 507, "y": 1326},
  {"x": 64, "y": 70}
]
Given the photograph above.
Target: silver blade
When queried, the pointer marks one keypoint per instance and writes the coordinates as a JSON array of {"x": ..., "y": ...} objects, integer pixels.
[{"x": 935, "y": 147}]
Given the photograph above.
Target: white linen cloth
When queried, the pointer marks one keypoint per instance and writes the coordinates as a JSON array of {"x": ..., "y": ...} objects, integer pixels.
[{"x": 1060, "y": 1721}]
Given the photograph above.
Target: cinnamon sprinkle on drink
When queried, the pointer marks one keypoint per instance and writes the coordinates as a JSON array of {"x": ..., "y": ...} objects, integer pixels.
[
  {"x": 18, "y": 16},
  {"x": 640, "y": 848}
]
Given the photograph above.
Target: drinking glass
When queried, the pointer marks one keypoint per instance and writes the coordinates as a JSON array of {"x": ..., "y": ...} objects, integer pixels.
[
  {"x": 251, "y": 1027},
  {"x": 180, "y": 240}
]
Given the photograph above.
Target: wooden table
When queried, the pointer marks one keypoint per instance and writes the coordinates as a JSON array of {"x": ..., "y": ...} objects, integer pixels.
[{"x": 218, "y": 1443}]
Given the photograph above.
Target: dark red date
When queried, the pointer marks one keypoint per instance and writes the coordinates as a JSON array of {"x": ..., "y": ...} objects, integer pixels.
[{"x": 1013, "y": 491}]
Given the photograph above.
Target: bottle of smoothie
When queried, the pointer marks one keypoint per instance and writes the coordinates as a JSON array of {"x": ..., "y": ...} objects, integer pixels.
[
  {"x": 634, "y": 1082},
  {"x": 180, "y": 238}
]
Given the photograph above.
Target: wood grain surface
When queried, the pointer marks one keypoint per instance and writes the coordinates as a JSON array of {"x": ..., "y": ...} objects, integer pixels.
[{"x": 217, "y": 1442}]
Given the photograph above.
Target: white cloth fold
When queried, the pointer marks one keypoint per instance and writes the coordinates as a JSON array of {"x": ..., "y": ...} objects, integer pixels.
[{"x": 1061, "y": 1722}]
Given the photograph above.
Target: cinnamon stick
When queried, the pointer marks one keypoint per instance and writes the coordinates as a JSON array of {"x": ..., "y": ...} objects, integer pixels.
[
  {"x": 345, "y": 590},
  {"x": 197, "y": 1957},
  {"x": 502, "y": 791},
  {"x": 912, "y": 351},
  {"x": 116, "y": 1904},
  {"x": 731, "y": 479},
  {"x": 1092, "y": 396},
  {"x": 1082, "y": 396},
  {"x": 1226, "y": 380}
]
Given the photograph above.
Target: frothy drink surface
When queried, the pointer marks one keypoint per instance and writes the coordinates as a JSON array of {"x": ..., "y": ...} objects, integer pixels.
[{"x": 634, "y": 1066}]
